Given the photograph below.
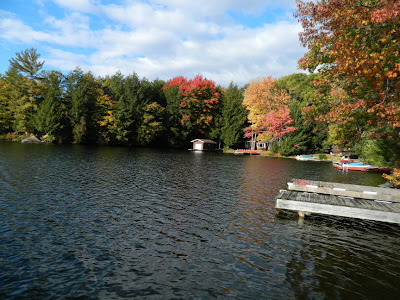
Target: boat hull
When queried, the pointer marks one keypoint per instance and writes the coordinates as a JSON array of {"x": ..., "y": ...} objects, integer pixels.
[{"x": 361, "y": 168}]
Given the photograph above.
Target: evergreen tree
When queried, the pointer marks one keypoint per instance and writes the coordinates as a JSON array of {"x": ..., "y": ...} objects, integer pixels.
[
  {"x": 128, "y": 107},
  {"x": 24, "y": 74},
  {"x": 234, "y": 116},
  {"x": 83, "y": 92},
  {"x": 156, "y": 92},
  {"x": 177, "y": 134},
  {"x": 26, "y": 62},
  {"x": 50, "y": 118},
  {"x": 216, "y": 127}
]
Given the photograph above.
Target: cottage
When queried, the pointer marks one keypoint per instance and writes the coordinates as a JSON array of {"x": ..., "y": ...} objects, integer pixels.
[
  {"x": 256, "y": 145},
  {"x": 262, "y": 145},
  {"x": 202, "y": 145}
]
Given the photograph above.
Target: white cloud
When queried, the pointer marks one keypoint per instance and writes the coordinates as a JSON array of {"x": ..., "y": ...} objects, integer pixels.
[
  {"x": 13, "y": 29},
  {"x": 240, "y": 57},
  {"x": 164, "y": 39},
  {"x": 65, "y": 60},
  {"x": 78, "y": 5}
]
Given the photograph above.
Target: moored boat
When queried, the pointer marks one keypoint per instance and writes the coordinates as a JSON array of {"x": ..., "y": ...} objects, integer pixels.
[
  {"x": 361, "y": 167},
  {"x": 305, "y": 157},
  {"x": 345, "y": 159}
]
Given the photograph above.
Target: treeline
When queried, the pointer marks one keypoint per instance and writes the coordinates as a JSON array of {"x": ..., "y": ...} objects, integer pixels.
[
  {"x": 129, "y": 110},
  {"x": 116, "y": 110}
]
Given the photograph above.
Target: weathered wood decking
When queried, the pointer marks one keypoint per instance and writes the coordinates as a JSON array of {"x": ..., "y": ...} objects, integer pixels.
[
  {"x": 346, "y": 200},
  {"x": 342, "y": 189}
]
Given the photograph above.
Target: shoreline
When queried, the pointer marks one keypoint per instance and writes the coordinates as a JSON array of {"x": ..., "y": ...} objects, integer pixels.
[{"x": 327, "y": 157}]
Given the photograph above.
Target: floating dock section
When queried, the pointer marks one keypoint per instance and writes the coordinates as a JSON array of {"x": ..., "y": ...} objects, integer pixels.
[{"x": 346, "y": 200}]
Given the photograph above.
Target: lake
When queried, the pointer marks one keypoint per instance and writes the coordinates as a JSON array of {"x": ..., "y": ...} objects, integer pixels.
[{"x": 109, "y": 222}]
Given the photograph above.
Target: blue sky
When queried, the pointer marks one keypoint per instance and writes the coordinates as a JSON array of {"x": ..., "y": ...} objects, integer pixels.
[{"x": 223, "y": 40}]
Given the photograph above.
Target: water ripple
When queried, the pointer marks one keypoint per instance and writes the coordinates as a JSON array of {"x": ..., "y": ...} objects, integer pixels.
[{"x": 87, "y": 222}]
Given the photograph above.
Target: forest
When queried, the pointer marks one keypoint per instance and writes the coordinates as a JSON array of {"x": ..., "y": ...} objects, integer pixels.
[
  {"x": 348, "y": 98},
  {"x": 128, "y": 110}
]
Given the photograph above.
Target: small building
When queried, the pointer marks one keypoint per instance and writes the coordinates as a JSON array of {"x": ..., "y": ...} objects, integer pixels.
[
  {"x": 256, "y": 145},
  {"x": 203, "y": 145},
  {"x": 262, "y": 145}
]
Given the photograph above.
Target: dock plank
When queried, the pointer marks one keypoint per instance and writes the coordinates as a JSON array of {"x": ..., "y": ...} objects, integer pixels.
[
  {"x": 350, "y": 190},
  {"x": 329, "y": 204},
  {"x": 343, "y": 211}
]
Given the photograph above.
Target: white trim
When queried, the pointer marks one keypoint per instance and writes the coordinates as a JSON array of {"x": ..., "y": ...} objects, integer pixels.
[
  {"x": 312, "y": 186},
  {"x": 370, "y": 193}
]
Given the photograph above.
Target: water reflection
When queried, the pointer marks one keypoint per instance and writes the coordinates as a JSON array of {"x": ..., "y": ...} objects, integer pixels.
[{"x": 102, "y": 222}]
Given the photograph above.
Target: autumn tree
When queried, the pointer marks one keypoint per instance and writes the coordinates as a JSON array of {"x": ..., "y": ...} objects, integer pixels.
[
  {"x": 105, "y": 115},
  {"x": 269, "y": 113},
  {"x": 354, "y": 45},
  {"x": 152, "y": 126},
  {"x": 194, "y": 103}
]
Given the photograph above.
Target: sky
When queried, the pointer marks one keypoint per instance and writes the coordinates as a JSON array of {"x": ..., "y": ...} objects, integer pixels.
[{"x": 222, "y": 40}]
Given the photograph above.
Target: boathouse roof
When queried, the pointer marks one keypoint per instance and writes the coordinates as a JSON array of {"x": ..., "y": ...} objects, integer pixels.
[{"x": 204, "y": 141}]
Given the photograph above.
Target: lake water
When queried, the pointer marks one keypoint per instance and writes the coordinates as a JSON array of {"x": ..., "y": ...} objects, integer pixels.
[{"x": 103, "y": 222}]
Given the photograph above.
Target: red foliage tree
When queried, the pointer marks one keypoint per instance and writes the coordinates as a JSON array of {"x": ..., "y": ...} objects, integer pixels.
[{"x": 200, "y": 98}]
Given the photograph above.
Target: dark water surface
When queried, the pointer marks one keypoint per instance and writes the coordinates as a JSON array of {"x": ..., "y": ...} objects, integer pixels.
[{"x": 101, "y": 222}]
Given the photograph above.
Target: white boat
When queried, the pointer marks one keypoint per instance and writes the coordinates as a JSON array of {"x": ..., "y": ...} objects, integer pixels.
[
  {"x": 305, "y": 157},
  {"x": 359, "y": 166}
]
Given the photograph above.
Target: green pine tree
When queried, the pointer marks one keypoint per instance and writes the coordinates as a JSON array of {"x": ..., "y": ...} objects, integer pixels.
[
  {"x": 234, "y": 116},
  {"x": 83, "y": 92},
  {"x": 50, "y": 118},
  {"x": 24, "y": 74}
]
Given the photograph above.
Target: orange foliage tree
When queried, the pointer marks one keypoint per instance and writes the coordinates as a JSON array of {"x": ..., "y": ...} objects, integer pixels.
[
  {"x": 268, "y": 109},
  {"x": 354, "y": 45},
  {"x": 393, "y": 178}
]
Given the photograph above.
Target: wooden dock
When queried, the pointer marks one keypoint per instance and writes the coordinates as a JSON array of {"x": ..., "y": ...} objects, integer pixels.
[
  {"x": 247, "y": 151},
  {"x": 345, "y": 200}
]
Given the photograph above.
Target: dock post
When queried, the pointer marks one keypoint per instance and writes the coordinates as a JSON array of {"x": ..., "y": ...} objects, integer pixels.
[{"x": 302, "y": 214}]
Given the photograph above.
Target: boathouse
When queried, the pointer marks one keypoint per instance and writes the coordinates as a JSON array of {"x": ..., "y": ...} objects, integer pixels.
[{"x": 203, "y": 145}]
